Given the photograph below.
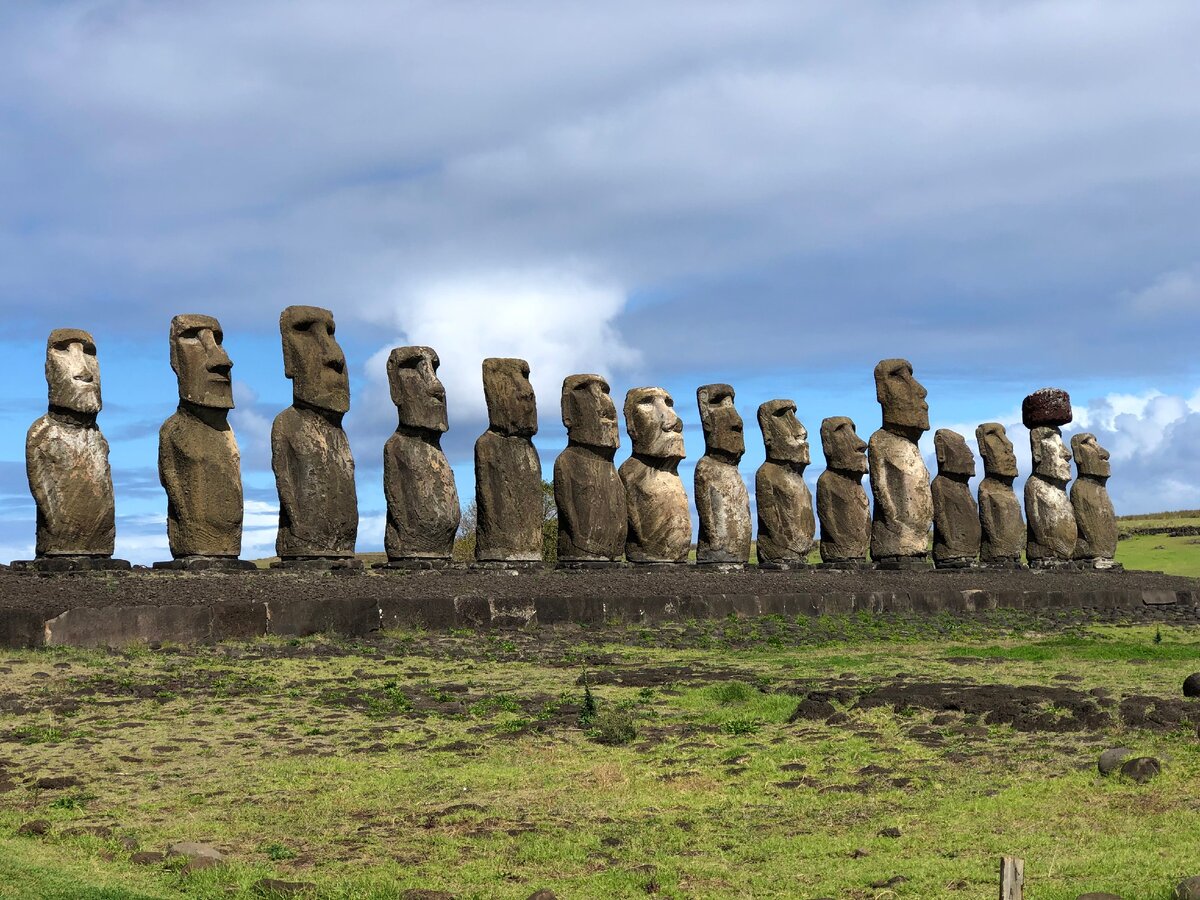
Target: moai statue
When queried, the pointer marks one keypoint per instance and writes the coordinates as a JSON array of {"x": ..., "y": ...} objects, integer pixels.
[
  {"x": 899, "y": 479},
  {"x": 592, "y": 517},
  {"x": 1051, "y": 520},
  {"x": 66, "y": 458},
  {"x": 198, "y": 460},
  {"x": 660, "y": 525},
  {"x": 314, "y": 470},
  {"x": 786, "y": 524},
  {"x": 842, "y": 504},
  {"x": 1095, "y": 517},
  {"x": 722, "y": 501},
  {"x": 1001, "y": 523},
  {"x": 956, "y": 529},
  {"x": 508, "y": 474},
  {"x": 422, "y": 501}
]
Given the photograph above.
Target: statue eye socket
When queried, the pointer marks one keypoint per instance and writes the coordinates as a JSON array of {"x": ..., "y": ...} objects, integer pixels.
[
  {"x": 670, "y": 402},
  {"x": 302, "y": 326}
]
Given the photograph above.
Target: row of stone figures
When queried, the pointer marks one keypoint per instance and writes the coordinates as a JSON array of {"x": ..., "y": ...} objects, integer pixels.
[{"x": 639, "y": 513}]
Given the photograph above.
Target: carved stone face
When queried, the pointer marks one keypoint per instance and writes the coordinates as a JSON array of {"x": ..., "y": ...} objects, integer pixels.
[
  {"x": 720, "y": 420},
  {"x": 72, "y": 370},
  {"x": 1090, "y": 458},
  {"x": 784, "y": 436},
  {"x": 416, "y": 390},
  {"x": 200, "y": 362},
  {"x": 512, "y": 406},
  {"x": 1051, "y": 458},
  {"x": 844, "y": 449},
  {"x": 654, "y": 428},
  {"x": 996, "y": 450},
  {"x": 901, "y": 396},
  {"x": 313, "y": 360},
  {"x": 954, "y": 457},
  {"x": 589, "y": 413}
]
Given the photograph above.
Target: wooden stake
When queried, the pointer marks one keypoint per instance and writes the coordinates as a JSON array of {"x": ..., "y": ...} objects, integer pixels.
[{"x": 1012, "y": 878}]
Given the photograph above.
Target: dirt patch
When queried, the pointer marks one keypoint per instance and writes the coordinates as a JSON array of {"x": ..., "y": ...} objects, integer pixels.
[{"x": 1026, "y": 708}]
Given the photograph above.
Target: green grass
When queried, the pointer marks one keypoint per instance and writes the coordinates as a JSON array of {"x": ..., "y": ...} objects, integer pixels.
[
  {"x": 1161, "y": 553},
  {"x": 463, "y": 762}
]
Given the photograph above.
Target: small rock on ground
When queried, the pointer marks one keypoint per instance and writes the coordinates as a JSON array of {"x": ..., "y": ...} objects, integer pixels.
[
  {"x": 1141, "y": 769},
  {"x": 148, "y": 858},
  {"x": 425, "y": 894},
  {"x": 1191, "y": 685},
  {"x": 36, "y": 827},
  {"x": 57, "y": 782},
  {"x": 1110, "y": 760},
  {"x": 892, "y": 882},
  {"x": 1098, "y": 895},
  {"x": 194, "y": 851},
  {"x": 1188, "y": 889},
  {"x": 543, "y": 894},
  {"x": 277, "y": 887},
  {"x": 890, "y": 833}
]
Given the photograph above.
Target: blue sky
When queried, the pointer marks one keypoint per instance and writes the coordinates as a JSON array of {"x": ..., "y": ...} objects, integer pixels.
[{"x": 771, "y": 194}]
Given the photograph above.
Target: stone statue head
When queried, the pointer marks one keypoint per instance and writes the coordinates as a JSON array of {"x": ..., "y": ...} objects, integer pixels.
[
  {"x": 784, "y": 436},
  {"x": 721, "y": 421},
  {"x": 416, "y": 389},
  {"x": 72, "y": 371},
  {"x": 996, "y": 450},
  {"x": 589, "y": 413},
  {"x": 512, "y": 406},
  {"x": 1051, "y": 458},
  {"x": 844, "y": 449},
  {"x": 954, "y": 457},
  {"x": 200, "y": 362},
  {"x": 1090, "y": 458},
  {"x": 901, "y": 396},
  {"x": 313, "y": 360},
  {"x": 655, "y": 430}
]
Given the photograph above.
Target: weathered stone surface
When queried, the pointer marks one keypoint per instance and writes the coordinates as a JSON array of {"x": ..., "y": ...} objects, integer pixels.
[
  {"x": 1052, "y": 531},
  {"x": 1191, "y": 685},
  {"x": 198, "y": 461},
  {"x": 508, "y": 473},
  {"x": 66, "y": 456},
  {"x": 842, "y": 505},
  {"x": 310, "y": 454},
  {"x": 1188, "y": 889},
  {"x": 1141, "y": 769},
  {"x": 956, "y": 528},
  {"x": 1046, "y": 407},
  {"x": 1095, "y": 518},
  {"x": 722, "y": 501},
  {"x": 1111, "y": 760},
  {"x": 423, "y": 512},
  {"x": 786, "y": 523},
  {"x": 1002, "y": 539},
  {"x": 193, "y": 850},
  {"x": 660, "y": 524},
  {"x": 592, "y": 515},
  {"x": 903, "y": 512}
]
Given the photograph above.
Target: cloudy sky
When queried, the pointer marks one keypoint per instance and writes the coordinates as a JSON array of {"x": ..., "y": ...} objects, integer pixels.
[{"x": 773, "y": 194}]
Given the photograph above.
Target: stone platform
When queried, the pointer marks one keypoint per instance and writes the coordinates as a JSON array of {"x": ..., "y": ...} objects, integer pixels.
[{"x": 116, "y": 609}]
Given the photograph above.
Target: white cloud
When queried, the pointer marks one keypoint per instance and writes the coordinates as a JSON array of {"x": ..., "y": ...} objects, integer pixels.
[
  {"x": 561, "y": 322},
  {"x": 1174, "y": 291}
]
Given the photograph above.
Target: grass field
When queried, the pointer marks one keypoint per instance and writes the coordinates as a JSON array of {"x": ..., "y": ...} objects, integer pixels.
[{"x": 472, "y": 763}]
